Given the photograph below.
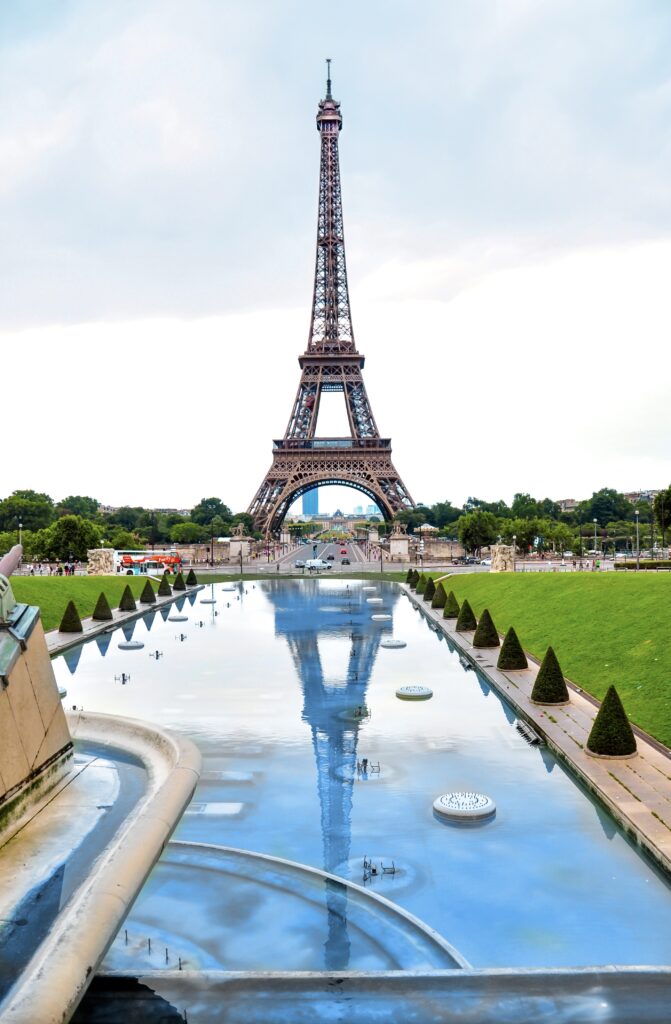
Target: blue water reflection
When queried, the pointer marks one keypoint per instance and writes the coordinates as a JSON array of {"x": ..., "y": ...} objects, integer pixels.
[{"x": 270, "y": 689}]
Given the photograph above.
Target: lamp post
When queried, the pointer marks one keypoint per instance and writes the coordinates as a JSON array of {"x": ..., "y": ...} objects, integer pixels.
[
  {"x": 638, "y": 544},
  {"x": 20, "y": 532},
  {"x": 514, "y": 549},
  {"x": 595, "y": 522},
  {"x": 240, "y": 559}
]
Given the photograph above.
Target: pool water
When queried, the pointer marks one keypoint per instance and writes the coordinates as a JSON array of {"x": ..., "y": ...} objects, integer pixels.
[{"x": 285, "y": 688}]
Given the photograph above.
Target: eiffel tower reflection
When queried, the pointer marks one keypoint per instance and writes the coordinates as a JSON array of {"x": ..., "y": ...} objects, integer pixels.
[{"x": 306, "y": 612}]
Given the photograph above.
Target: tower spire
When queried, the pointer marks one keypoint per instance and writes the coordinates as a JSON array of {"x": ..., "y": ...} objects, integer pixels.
[{"x": 328, "y": 79}]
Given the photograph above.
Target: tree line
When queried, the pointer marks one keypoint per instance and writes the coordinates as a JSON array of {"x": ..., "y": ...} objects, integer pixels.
[{"x": 65, "y": 530}]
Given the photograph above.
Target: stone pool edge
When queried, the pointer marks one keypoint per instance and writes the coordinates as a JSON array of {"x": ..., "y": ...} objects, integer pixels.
[
  {"x": 58, "y": 974},
  {"x": 630, "y": 812}
]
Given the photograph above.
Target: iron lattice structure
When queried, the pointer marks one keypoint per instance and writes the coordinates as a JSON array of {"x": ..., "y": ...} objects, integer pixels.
[{"x": 301, "y": 460}]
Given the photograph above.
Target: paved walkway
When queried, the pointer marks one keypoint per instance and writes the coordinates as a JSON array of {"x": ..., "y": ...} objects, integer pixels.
[{"x": 636, "y": 790}]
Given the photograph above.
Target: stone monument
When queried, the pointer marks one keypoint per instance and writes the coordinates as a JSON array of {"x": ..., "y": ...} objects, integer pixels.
[
  {"x": 503, "y": 558},
  {"x": 399, "y": 543}
]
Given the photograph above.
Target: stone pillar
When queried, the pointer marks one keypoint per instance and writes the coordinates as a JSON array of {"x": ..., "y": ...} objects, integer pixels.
[
  {"x": 399, "y": 547},
  {"x": 373, "y": 535},
  {"x": 503, "y": 558}
]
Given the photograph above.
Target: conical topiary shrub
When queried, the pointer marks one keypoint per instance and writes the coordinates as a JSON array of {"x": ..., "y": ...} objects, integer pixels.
[
  {"x": 71, "y": 622},
  {"x": 191, "y": 579},
  {"x": 179, "y": 583},
  {"x": 440, "y": 597},
  {"x": 414, "y": 579},
  {"x": 164, "y": 588},
  {"x": 486, "y": 634},
  {"x": 550, "y": 686},
  {"x": 611, "y": 734},
  {"x": 102, "y": 611},
  {"x": 127, "y": 602},
  {"x": 421, "y": 584},
  {"x": 451, "y": 609},
  {"x": 466, "y": 620},
  {"x": 147, "y": 596},
  {"x": 512, "y": 654},
  {"x": 408, "y": 576},
  {"x": 429, "y": 589}
]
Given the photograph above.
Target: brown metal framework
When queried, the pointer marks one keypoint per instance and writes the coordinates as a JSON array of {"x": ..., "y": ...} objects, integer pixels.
[{"x": 331, "y": 362}]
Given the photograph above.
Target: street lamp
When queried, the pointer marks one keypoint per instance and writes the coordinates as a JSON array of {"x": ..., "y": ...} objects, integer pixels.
[
  {"x": 514, "y": 549},
  {"x": 595, "y": 522},
  {"x": 20, "y": 533},
  {"x": 241, "y": 559},
  {"x": 638, "y": 544}
]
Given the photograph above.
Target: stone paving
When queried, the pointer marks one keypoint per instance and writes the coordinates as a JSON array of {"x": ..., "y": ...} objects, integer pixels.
[{"x": 636, "y": 790}]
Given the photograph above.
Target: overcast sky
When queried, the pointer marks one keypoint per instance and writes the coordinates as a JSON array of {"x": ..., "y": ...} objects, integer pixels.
[{"x": 507, "y": 197}]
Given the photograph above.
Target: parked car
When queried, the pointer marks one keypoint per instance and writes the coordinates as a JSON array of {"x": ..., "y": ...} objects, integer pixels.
[
  {"x": 470, "y": 560},
  {"x": 300, "y": 564},
  {"x": 330, "y": 558},
  {"x": 317, "y": 563},
  {"x": 344, "y": 561},
  {"x": 485, "y": 561},
  {"x": 343, "y": 551}
]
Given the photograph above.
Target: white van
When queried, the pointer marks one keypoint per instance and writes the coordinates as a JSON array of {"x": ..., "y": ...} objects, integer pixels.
[{"x": 317, "y": 563}]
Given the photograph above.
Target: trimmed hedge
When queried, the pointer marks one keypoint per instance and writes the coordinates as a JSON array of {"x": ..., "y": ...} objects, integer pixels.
[
  {"x": 466, "y": 620},
  {"x": 408, "y": 576},
  {"x": 512, "y": 654},
  {"x": 414, "y": 580},
  {"x": 191, "y": 579},
  {"x": 164, "y": 588},
  {"x": 440, "y": 597},
  {"x": 486, "y": 634},
  {"x": 179, "y": 583},
  {"x": 451, "y": 609},
  {"x": 429, "y": 589},
  {"x": 127, "y": 602},
  {"x": 71, "y": 622},
  {"x": 421, "y": 584},
  {"x": 611, "y": 733},
  {"x": 147, "y": 596},
  {"x": 550, "y": 686},
  {"x": 102, "y": 611}
]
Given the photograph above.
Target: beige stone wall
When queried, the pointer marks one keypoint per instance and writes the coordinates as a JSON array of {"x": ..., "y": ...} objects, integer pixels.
[
  {"x": 100, "y": 562},
  {"x": 33, "y": 729},
  {"x": 502, "y": 558}
]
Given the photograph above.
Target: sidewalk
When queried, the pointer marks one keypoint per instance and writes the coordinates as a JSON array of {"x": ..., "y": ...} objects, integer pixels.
[{"x": 637, "y": 791}]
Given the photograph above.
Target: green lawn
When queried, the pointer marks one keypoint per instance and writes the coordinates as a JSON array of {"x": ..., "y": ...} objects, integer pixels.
[
  {"x": 52, "y": 593},
  {"x": 605, "y": 628}
]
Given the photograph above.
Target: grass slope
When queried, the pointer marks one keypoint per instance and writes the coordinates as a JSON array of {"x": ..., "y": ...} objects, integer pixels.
[{"x": 605, "y": 628}]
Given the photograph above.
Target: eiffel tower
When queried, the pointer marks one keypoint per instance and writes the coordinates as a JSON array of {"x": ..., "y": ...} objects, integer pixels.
[{"x": 331, "y": 362}]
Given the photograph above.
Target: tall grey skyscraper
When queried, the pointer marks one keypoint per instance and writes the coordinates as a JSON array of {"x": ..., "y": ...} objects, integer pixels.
[{"x": 311, "y": 502}]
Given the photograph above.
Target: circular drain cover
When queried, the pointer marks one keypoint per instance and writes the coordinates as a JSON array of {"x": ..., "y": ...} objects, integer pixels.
[
  {"x": 393, "y": 644},
  {"x": 373, "y": 600},
  {"x": 464, "y": 806},
  {"x": 413, "y": 692},
  {"x": 380, "y": 618},
  {"x": 131, "y": 645},
  {"x": 178, "y": 618},
  {"x": 370, "y": 589},
  {"x": 208, "y": 600}
]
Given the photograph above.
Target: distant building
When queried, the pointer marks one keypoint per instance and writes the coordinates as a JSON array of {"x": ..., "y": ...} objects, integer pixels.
[
  {"x": 311, "y": 502},
  {"x": 358, "y": 510},
  {"x": 372, "y": 510},
  {"x": 567, "y": 504},
  {"x": 634, "y": 496}
]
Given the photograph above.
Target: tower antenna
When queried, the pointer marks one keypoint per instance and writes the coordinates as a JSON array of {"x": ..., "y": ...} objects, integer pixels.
[{"x": 328, "y": 79}]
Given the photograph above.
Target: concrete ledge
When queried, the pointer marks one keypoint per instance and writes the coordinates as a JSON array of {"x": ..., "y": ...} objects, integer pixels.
[{"x": 59, "y": 972}]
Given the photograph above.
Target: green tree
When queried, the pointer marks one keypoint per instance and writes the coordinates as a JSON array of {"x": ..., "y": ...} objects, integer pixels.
[
  {"x": 102, "y": 611},
  {"x": 71, "y": 622},
  {"x": 444, "y": 512},
  {"x": 124, "y": 540},
  {"x": 206, "y": 509},
  {"x": 72, "y": 536},
  {"x": 662, "y": 509},
  {"x": 611, "y": 734},
  {"x": 78, "y": 505},
  {"x": 607, "y": 504},
  {"x": 188, "y": 533},
  {"x": 127, "y": 517},
  {"x": 33, "y": 509},
  {"x": 486, "y": 634},
  {"x": 511, "y": 655},
  {"x": 466, "y": 620},
  {"x": 550, "y": 685},
  {"x": 477, "y": 529}
]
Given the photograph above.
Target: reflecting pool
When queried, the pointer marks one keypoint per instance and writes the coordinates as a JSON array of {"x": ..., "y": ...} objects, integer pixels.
[{"x": 286, "y": 689}]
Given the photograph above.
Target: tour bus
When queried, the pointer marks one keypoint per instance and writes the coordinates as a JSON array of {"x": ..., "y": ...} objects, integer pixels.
[{"x": 151, "y": 563}]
